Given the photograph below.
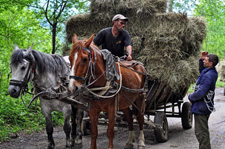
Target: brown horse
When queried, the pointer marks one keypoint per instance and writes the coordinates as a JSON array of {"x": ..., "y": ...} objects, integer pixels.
[{"x": 88, "y": 71}]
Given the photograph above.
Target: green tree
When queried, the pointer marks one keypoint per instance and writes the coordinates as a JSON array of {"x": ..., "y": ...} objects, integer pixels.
[
  {"x": 186, "y": 6},
  {"x": 21, "y": 26},
  {"x": 57, "y": 12},
  {"x": 213, "y": 12}
]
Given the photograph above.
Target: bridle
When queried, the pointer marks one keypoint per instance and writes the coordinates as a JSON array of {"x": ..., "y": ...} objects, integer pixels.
[
  {"x": 24, "y": 83},
  {"x": 91, "y": 67},
  {"x": 26, "y": 78}
]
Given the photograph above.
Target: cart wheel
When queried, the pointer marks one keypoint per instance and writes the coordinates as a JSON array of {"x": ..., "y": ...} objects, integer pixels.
[
  {"x": 86, "y": 125},
  {"x": 186, "y": 116},
  {"x": 161, "y": 132}
]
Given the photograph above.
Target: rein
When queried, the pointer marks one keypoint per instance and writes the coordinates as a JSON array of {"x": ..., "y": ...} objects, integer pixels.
[{"x": 104, "y": 97}]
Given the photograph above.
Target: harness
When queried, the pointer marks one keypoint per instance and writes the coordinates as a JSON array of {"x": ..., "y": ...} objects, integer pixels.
[{"x": 112, "y": 88}]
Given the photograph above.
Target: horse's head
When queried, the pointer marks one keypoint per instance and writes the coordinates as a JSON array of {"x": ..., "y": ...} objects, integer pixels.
[
  {"x": 81, "y": 58},
  {"x": 21, "y": 68}
]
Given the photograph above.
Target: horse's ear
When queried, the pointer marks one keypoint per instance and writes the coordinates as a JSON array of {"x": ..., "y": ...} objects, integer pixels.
[
  {"x": 30, "y": 49},
  {"x": 16, "y": 47},
  {"x": 88, "y": 43},
  {"x": 74, "y": 38}
]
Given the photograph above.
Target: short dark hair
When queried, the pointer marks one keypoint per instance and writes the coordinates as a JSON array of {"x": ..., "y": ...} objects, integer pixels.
[{"x": 213, "y": 58}]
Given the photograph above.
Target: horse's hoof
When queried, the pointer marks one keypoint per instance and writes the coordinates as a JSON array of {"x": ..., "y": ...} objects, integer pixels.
[
  {"x": 68, "y": 147},
  {"x": 51, "y": 147},
  {"x": 78, "y": 141},
  {"x": 141, "y": 147},
  {"x": 72, "y": 142},
  {"x": 128, "y": 146}
]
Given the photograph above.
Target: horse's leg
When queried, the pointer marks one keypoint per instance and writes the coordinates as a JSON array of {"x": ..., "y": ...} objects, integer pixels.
[
  {"x": 131, "y": 136},
  {"x": 67, "y": 126},
  {"x": 73, "y": 122},
  {"x": 140, "y": 117},
  {"x": 94, "y": 128},
  {"x": 110, "y": 130},
  {"x": 79, "y": 118}
]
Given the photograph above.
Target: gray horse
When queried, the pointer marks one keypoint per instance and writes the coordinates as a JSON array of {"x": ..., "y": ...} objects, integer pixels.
[{"x": 45, "y": 71}]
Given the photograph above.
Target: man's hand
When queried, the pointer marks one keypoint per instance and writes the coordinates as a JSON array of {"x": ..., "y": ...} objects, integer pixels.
[
  {"x": 129, "y": 57},
  {"x": 204, "y": 54}
]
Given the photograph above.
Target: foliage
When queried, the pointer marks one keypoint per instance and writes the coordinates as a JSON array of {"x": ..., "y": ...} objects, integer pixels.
[
  {"x": 56, "y": 12},
  {"x": 213, "y": 12},
  {"x": 184, "y": 6}
]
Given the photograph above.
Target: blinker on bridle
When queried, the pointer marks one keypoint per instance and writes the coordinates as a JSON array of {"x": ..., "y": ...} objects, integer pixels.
[{"x": 91, "y": 57}]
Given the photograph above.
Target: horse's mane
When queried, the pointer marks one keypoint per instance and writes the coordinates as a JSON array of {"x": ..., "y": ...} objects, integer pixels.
[{"x": 44, "y": 62}]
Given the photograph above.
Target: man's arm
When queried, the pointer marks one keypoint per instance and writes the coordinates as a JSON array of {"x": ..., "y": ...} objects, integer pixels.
[
  {"x": 129, "y": 51},
  {"x": 201, "y": 64}
]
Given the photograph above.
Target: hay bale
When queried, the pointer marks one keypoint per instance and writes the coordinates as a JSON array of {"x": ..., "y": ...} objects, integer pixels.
[
  {"x": 174, "y": 35},
  {"x": 137, "y": 46},
  {"x": 176, "y": 73},
  {"x": 132, "y": 7},
  {"x": 102, "y": 12}
]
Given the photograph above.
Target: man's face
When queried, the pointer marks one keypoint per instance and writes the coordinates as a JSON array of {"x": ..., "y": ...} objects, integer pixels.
[
  {"x": 120, "y": 24},
  {"x": 207, "y": 63}
]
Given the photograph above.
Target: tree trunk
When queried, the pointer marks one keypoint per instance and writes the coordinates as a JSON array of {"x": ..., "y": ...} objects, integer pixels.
[
  {"x": 53, "y": 37},
  {"x": 170, "y": 6}
]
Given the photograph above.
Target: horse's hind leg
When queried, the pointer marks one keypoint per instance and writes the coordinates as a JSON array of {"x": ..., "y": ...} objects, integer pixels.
[
  {"x": 73, "y": 122},
  {"x": 76, "y": 118},
  {"x": 140, "y": 117},
  {"x": 131, "y": 136},
  {"x": 67, "y": 126}
]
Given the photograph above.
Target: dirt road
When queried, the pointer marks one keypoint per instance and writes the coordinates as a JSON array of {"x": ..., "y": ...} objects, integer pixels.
[{"x": 178, "y": 137}]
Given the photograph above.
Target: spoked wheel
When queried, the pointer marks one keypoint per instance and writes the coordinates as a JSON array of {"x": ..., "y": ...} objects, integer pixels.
[
  {"x": 186, "y": 117},
  {"x": 86, "y": 125},
  {"x": 161, "y": 131}
]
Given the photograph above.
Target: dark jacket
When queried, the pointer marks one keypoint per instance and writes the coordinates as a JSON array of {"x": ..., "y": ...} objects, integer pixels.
[{"x": 206, "y": 82}]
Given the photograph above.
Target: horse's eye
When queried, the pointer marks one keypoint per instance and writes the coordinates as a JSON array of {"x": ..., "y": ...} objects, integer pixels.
[
  {"x": 23, "y": 68},
  {"x": 84, "y": 60}
]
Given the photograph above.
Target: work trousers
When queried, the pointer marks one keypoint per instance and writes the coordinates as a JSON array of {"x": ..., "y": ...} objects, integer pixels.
[{"x": 202, "y": 131}]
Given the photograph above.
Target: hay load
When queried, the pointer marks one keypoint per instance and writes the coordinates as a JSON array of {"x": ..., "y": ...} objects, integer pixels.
[
  {"x": 102, "y": 12},
  {"x": 167, "y": 43}
]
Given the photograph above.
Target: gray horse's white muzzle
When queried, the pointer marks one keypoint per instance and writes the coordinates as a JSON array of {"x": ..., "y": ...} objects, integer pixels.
[{"x": 14, "y": 91}]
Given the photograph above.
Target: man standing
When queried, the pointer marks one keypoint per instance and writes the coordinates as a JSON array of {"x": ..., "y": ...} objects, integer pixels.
[
  {"x": 115, "y": 38},
  {"x": 202, "y": 98}
]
